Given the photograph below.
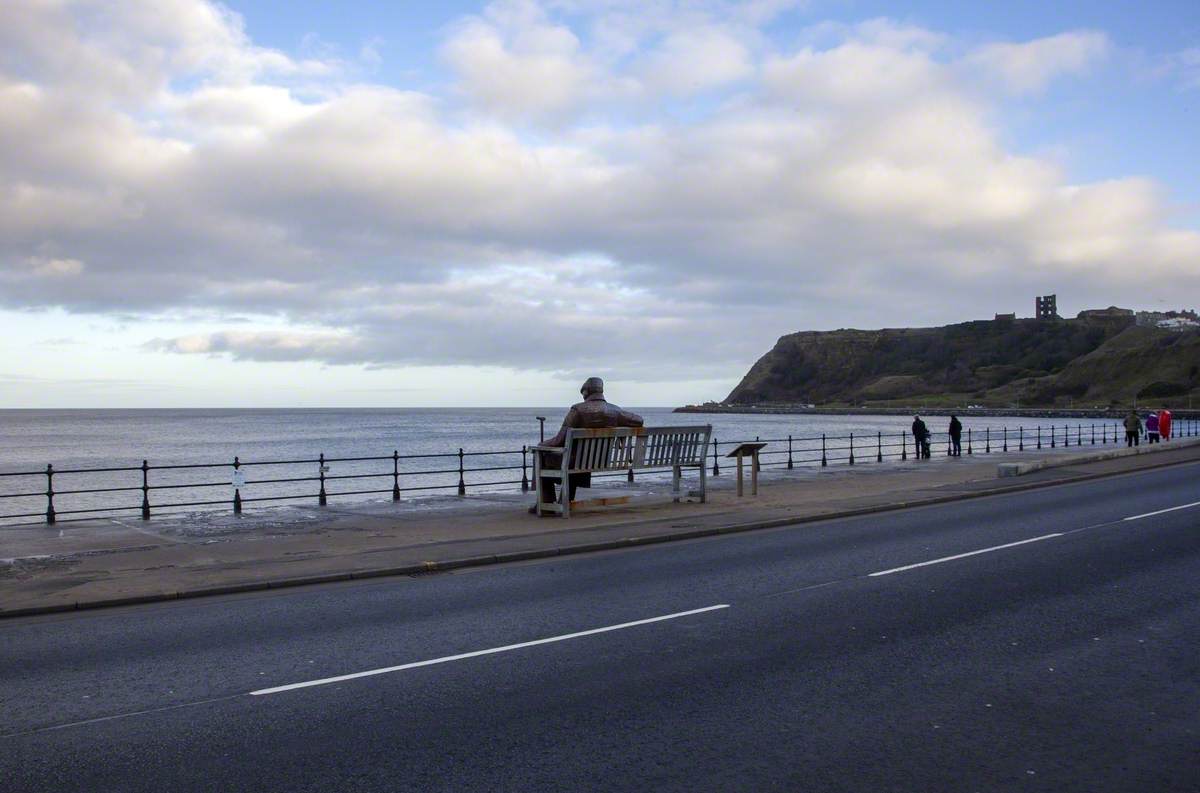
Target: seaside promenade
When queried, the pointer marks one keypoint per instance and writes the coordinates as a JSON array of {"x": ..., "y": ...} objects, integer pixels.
[{"x": 120, "y": 561}]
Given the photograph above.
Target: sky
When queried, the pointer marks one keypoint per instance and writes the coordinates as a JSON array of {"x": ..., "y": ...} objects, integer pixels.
[{"x": 258, "y": 204}]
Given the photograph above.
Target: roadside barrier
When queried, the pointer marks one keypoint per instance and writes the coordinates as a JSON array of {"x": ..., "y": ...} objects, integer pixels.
[{"x": 277, "y": 481}]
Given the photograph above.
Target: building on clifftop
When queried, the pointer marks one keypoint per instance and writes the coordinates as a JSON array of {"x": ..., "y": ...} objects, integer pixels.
[{"x": 1046, "y": 307}]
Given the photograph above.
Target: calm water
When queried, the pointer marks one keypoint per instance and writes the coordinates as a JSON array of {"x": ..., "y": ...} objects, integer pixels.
[{"x": 72, "y": 439}]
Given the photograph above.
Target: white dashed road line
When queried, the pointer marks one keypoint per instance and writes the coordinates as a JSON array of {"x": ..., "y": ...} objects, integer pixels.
[
  {"x": 965, "y": 555},
  {"x": 1162, "y": 511},
  {"x": 477, "y": 653}
]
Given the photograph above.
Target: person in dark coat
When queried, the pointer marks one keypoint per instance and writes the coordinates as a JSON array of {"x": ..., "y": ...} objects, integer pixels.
[
  {"x": 921, "y": 437},
  {"x": 594, "y": 412},
  {"x": 955, "y": 437},
  {"x": 1133, "y": 428}
]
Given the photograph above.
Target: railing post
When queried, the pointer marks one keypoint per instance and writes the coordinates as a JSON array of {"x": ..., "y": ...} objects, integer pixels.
[
  {"x": 903, "y": 446},
  {"x": 1078, "y": 434},
  {"x": 1039, "y": 429},
  {"x": 524, "y": 476},
  {"x": 824, "y": 461},
  {"x": 50, "y": 517},
  {"x": 145, "y": 491},
  {"x": 462, "y": 483},
  {"x": 852, "y": 448},
  {"x": 969, "y": 449},
  {"x": 1093, "y": 434},
  {"x": 396, "y": 473},
  {"x": 716, "y": 465},
  {"x": 1066, "y": 435},
  {"x": 321, "y": 498},
  {"x": 1005, "y": 437},
  {"x": 237, "y": 491},
  {"x": 1021, "y": 438},
  {"x": 879, "y": 447},
  {"x": 987, "y": 449},
  {"x": 1053, "y": 436},
  {"x": 789, "y": 452}
]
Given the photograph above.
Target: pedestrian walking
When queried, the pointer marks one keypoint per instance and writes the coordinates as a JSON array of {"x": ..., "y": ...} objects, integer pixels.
[
  {"x": 955, "y": 437},
  {"x": 1152, "y": 428},
  {"x": 1133, "y": 428}
]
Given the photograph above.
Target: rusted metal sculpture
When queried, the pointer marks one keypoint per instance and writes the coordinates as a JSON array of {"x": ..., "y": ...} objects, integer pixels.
[{"x": 594, "y": 412}]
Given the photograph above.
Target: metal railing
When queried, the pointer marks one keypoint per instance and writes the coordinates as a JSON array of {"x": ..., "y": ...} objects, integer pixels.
[{"x": 278, "y": 484}]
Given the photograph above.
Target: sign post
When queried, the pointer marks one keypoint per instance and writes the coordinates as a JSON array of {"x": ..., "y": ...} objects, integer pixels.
[{"x": 750, "y": 450}]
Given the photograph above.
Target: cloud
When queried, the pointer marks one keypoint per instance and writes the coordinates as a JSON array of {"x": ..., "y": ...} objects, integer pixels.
[
  {"x": 689, "y": 61},
  {"x": 1029, "y": 67},
  {"x": 259, "y": 346},
  {"x": 42, "y": 267},
  {"x": 512, "y": 62},
  {"x": 556, "y": 212},
  {"x": 1185, "y": 66}
]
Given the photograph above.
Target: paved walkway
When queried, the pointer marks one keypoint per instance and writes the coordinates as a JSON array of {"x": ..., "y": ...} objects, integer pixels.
[{"x": 106, "y": 562}]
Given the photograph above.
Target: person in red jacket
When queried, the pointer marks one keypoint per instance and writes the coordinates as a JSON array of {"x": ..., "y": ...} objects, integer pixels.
[{"x": 1164, "y": 424}]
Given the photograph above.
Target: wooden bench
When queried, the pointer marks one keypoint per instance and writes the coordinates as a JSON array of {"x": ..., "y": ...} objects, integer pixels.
[{"x": 613, "y": 449}]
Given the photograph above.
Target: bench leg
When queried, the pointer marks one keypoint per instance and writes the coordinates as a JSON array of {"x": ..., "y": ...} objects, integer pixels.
[
  {"x": 703, "y": 483},
  {"x": 537, "y": 482},
  {"x": 564, "y": 490},
  {"x": 675, "y": 483}
]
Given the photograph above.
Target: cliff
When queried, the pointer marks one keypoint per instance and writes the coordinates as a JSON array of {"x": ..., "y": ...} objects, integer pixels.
[{"x": 1092, "y": 360}]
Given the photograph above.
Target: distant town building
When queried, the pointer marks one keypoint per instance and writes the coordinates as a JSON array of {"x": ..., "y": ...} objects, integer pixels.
[
  {"x": 1046, "y": 307},
  {"x": 1151, "y": 319},
  {"x": 1110, "y": 313},
  {"x": 1179, "y": 324},
  {"x": 1005, "y": 317}
]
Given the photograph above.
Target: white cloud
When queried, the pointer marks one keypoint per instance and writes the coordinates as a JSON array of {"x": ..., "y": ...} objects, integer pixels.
[
  {"x": 514, "y": 63},
  {"x": 821, "y": 186},
  {"x": 689, "y": 61},
  {"x": 1029, "y": 66},
  {"x": 1185, "y": 65}
]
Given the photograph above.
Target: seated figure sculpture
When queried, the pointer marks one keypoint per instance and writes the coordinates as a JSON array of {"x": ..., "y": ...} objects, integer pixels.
[{"x": 593, "y": 412}]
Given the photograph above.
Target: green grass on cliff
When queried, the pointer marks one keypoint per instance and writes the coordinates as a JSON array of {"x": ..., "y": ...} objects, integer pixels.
[{"x": 997, "y": 364}]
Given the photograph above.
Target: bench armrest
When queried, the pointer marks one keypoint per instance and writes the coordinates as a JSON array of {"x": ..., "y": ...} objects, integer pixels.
[{"x": 557, "y": 449}]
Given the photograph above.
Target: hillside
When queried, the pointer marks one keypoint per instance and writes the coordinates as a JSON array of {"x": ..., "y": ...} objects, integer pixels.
[{"x": 1026, "y": 362}]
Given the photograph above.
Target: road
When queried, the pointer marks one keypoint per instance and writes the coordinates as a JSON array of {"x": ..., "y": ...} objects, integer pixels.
[{"x": 1037, "y": 641}]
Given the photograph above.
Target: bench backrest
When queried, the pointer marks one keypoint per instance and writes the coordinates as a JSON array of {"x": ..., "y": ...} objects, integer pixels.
[{"x": 621, "y": 448}]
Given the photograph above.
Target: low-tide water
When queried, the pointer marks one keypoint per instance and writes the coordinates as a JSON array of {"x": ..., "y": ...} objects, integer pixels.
[{"x": 427, "y": 440}]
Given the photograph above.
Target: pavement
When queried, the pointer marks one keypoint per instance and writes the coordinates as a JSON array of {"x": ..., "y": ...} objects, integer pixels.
[
  {"x": 108, "y": 562},
  {"x": 1041, "y": 640}
]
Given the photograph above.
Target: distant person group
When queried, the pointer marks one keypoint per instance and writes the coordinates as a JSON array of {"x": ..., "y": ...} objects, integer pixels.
[
  {"x": 1157, "y": 427},
  {"x": 923, "y": 438}
]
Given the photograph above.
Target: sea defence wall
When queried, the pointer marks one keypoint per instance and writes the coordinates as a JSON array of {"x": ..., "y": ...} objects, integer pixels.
[{"x": 1029, "y": 466}]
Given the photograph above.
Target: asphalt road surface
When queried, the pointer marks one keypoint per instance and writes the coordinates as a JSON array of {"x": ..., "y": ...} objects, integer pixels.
[{"x": 1048, "y": 640}]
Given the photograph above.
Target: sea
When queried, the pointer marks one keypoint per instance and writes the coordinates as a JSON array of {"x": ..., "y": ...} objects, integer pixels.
[{"x": 190, "y": 453}]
